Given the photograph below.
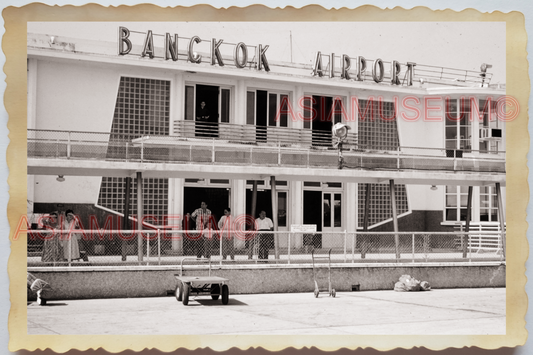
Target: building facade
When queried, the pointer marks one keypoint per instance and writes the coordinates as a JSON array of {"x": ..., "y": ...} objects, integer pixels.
[{"x": 104, "y": 95}]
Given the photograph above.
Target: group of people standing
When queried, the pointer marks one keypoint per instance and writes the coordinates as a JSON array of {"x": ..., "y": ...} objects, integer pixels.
[
  {"x": 207, "y": 233},
  {"x": 57, "y": 241},
  {"x": 202, "y": 241}
]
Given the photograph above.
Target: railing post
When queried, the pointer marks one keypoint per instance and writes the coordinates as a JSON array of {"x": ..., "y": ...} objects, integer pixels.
[
  {"x": 127, "y": 148},
  {"x": 158, "y": 247},
  {"x": 413, "y": 245},
  {"x": 69, "y": 246},
  {"x": 213, "y": 151},
  {"x": 142, "y": 151},
  {"x": 345, "y": 241},
  {"x": 148, "y": 250},
  {"x": 220, "y": 247},
  {"x": 354, "y": 238},
  {"x": 289, "y": 248},
  {"x": 68, "y": 146},
  {"x": 279, "y": 153}
]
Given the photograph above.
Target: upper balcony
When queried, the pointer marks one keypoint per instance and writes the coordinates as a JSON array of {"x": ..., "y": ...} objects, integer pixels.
[{"x": 249, "y": 149}]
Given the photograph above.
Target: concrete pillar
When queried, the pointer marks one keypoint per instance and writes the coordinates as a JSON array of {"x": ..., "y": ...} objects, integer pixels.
[
  {"x": 252, "y": 242},
  {"x": 238, "y": 207},
  {"x": 468, "y": 218},
  {"x": 175, "y": 211},
  {"x": 177, "y": 100},
  {"x": 240, "y": 103},
  {"x": 125, "y": 219},
  {"x": 296, "y": 122},
  {"x": 501, "y": 214},
  {"x": 350, "y": 198},
  {"x": 296, "y": 210},
  {"x": 32, "y": 93},
  {"x": 31, "y": 123},
  {"x": 365, "y": 240},
  {"x": 394, "y": 218},
  {"x": 274, "y": 197},
  {"x": 140, "y": 208},
  {"x": 351, "y": 111}
]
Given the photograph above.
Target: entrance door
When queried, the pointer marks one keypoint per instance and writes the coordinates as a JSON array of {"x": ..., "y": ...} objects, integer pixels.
[
  {"x": 322, "y": 123},
  {"x": 207, "y": 117},
  {"x": 331, "y": 212},
  {"x": 313, "y": 215}
]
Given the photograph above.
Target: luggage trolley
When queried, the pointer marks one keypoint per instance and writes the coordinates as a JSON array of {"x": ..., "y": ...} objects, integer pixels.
[
  {"x": 213, "y": 286},
  {"x": 330, "y": 290}
]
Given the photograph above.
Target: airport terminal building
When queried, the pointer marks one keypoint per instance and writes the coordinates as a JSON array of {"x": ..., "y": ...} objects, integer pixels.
[{"x": 201, "y": 119}]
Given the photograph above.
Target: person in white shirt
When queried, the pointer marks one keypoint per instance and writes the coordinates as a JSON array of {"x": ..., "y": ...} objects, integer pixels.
[{"x": 266, "y": 240}]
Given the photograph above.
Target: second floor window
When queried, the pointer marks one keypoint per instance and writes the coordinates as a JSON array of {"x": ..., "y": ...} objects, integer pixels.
[
  {"x": 458, "y": 124},
  {"x": 263, "y": 108}
]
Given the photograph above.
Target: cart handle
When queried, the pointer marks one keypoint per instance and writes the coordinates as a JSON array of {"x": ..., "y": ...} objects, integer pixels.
[{"x": 197, "y": 259}]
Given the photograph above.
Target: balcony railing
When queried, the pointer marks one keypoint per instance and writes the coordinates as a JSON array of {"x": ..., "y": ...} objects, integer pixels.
[
  {"x": 239, "y": 151},
  {"x": 251, "y": 134},
  {"x": 158, "y": 247}
]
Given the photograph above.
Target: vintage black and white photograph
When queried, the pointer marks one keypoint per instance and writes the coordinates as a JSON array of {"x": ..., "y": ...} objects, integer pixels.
[{"x": 267, "y": 178}]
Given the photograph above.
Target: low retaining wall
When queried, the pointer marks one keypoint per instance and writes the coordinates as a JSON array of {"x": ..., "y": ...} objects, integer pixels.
[{"x": 83, "y": 283}]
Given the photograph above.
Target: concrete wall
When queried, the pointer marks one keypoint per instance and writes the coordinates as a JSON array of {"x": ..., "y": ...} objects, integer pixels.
[{"x": 266, "y": 279}]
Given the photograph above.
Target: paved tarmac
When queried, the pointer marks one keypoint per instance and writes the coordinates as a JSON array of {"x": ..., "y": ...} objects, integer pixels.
[{"x": 435, "y": 312}]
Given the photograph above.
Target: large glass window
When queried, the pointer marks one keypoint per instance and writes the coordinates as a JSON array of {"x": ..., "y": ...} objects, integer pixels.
[
  {"x": 489, "y": 121},
  {"x": 488, "y": 211},
  {"x": 458, "y": 125},
  {"x": 456, "y": 203},
  {"x": 262, "y": 105},
  {"x": 377, "y": 126}
]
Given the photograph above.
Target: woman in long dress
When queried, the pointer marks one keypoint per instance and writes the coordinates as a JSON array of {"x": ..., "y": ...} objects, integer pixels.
[
  {"x": 69, "y": 225},
  {"x": 52, "y": 249}
]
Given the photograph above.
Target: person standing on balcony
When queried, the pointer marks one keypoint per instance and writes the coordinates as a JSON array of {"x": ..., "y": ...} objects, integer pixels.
[
  {"x": 224, "y": 226},
  {"x": 52, "y": 249},
  {"x": 202, "y": 119},
  {"x": 266, "y": 240},
  {"x": 201, "y": 216}
]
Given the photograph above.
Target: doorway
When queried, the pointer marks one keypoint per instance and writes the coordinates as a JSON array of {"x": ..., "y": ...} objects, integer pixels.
[
  {"x": 313, "y": 215},
  {"x": 322, "y": 124},
  {"x": 207, "y": 117},
  {"x": 216, "y": 198}
]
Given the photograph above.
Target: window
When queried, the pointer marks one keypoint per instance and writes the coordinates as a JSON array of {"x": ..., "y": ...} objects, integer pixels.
[
  {"x": 458, "y": 125},
  {"x": 489, "y": 121},
  {"x": 262, "y": 108},
  {"x": 217, "y": 102},
  {"x": 380, "y": 203},
  {"x": 456, "y": 203},
  {"x": 377, "y": 127},
  {"x": 488, "y": 211}
]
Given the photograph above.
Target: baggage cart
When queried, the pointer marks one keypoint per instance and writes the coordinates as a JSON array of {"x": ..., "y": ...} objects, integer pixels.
[
  {"x": 213, "y": 286},
  {"x": 316, "y": 278}
]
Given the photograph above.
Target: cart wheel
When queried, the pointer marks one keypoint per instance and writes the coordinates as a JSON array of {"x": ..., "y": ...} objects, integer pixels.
[
  {"x": 215, "y": 291},
  {"x": 225, "y": 294},
  {"x": 179, "y": 291},
  {"x": 186, "y": 289},
  {"x": 316, "y": 293},
  {"x": 333, "y": 293}
]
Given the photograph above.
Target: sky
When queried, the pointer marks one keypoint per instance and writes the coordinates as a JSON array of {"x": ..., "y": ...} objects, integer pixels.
[{"x": 458, "y": 45}]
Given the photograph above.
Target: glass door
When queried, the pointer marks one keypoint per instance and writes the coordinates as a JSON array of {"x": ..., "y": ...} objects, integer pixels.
[{"x": 332, "y": 212}]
